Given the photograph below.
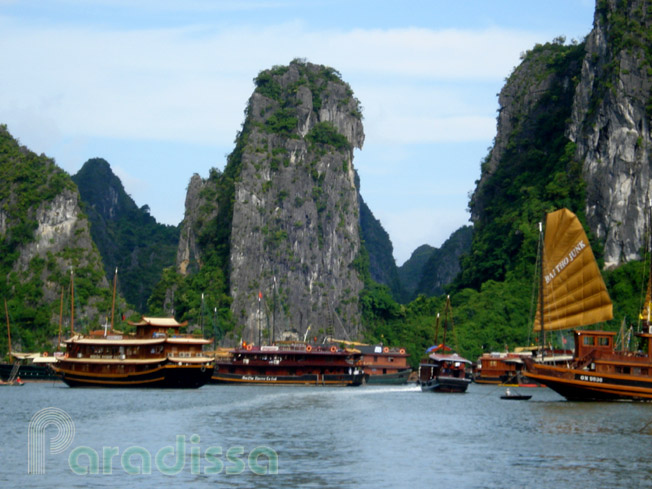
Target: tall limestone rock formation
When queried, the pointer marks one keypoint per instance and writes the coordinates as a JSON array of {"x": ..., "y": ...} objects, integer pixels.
[
  {"x": 43, "y": 234},
  {"x": 282, "y": 221},
  {"x": 573, "y": 131},
  {"x": 611, "y": 126}
]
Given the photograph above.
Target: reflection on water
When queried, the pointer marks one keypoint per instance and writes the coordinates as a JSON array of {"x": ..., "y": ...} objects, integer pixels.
[{"x": 366, "y": 437}]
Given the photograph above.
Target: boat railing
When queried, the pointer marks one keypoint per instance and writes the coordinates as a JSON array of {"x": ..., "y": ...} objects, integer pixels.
[
  {"x": 186, "y": 354},
  {"x": 292, "y": 347}
]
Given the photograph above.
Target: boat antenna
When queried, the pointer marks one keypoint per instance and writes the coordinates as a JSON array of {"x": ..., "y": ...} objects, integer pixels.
[
  {"x": 649, "y": 257},
  {"x": 60, "y": 317},
  {"x": 115, "y": 283},
  {"x": 8, "y": 328},
  {"x": 72, "y": 302},
  {"x": 542, "y": 337},
  {"x": 274, "y": 311},
  {"x": 450, "y": 310},
  {"x": 448, "y": 301},
  {"x": 201, "y": 315},
  {"x": 260, "y": 332}
]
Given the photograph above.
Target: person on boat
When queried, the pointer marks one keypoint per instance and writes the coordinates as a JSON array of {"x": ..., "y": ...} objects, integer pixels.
[{"x": 508, "y": 392}]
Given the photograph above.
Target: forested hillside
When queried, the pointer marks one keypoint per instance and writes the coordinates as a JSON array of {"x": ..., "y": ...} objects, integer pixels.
[{"x": 128, "y": 237}]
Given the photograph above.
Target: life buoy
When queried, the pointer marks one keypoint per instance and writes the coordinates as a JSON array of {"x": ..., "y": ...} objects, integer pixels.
[
  {"x": 249, "y": 347},
  {"x": 402, "y": 351},
  {"x": 45, "y": 354},
  {"x": 308, "y": 348},
  {"x": 386, "y": 349},
  {"x": 333, "y": 349}
]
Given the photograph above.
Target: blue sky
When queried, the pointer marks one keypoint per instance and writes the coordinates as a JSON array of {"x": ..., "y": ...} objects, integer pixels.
[{"x": 158, "y": 88}]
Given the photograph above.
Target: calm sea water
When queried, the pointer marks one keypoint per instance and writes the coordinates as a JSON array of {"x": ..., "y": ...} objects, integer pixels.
[{"x": 366, "y": 437}]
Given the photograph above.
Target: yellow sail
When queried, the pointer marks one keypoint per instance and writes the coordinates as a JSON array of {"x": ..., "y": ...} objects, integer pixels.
[{"x": 574, "y": 293}]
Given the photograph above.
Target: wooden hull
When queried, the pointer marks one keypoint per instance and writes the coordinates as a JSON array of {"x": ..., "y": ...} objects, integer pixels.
[
  {"x": 583, "y": 385},
  {"x": 521, "y": 380},
  {"x": 306, "y": 379},
  {"x": 160, "y": 376},
  {"x": 396, "y": 378},
  {"x": 29, "y": 372},
  {"x": 444, "y": 373},
  {"x": 446, "y": 384}
]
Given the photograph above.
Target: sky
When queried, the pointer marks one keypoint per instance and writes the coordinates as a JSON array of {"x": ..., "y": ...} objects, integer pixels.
[{"x": 158, "y": 88}]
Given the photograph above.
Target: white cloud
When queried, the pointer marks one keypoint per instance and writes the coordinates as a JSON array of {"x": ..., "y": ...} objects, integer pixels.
[{"x": 191, "y": 84}]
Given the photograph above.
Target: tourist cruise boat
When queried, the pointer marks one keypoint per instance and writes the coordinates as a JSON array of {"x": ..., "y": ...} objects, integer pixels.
[
  {"x": 156, "y": 355},
  {"x": 293, "y": 364}
]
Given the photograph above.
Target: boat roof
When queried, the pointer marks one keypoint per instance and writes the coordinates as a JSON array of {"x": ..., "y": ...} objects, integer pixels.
[
  {"x": 294, "y": 349},
  {"x": 34, "y": 357},
  {"x": 447, "y": 357},
  {"x": 188, "y": 341},
  {"x": 379, "y": 350},
  {"x": 161, "y": 322},
  {"x": 199, "y": 359},
  {"x": 114, "y": 361},
  {"x": 108, "y": 341}
]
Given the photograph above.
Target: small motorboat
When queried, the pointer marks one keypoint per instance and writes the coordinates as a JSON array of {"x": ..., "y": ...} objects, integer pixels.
[{"x": 511, "y": 396}]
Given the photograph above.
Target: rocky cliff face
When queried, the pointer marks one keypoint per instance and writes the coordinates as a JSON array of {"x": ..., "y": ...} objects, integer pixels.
[
  {"x": 611, "y": 126},
  {"x": 43, "y": 235},
  {"x": 293, "y": 214},
  {"x": 573, "y": 131},
  {"x": 188, "y": 252}
]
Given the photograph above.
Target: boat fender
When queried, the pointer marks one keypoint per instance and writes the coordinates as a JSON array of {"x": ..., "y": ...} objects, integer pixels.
[
  {"x": 45, "y": 354},
  {"x": 386, "y": 349},
  {"x": 333, "y": 349},
  {"x": 249, "y": 347},
  {"x": 308, "y": 348}
]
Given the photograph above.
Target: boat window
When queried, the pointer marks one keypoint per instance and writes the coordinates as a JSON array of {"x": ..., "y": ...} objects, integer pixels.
[
  {"x": 603, "y": 341},
  {"x": 588, "y": 341}
]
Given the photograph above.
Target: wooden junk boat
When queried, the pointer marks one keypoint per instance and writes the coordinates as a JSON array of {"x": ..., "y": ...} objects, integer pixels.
[
  {"x": 386, "y": 365},
  {"x": 25, "y": 366},
  {"x": 442, "y": 370},
  {"x": 157, "y": 355},
  {"x": 290, "y": 364},
  {"x": 573, "y": 294},
  {"x": 508, "y": 368}
]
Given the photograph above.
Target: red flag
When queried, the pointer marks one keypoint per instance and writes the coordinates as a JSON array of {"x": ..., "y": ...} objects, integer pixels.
[{"x": 260, "y": 295}]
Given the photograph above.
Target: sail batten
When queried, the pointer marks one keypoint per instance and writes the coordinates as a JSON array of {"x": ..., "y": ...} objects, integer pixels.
[{"x": 574, "y": 293}]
